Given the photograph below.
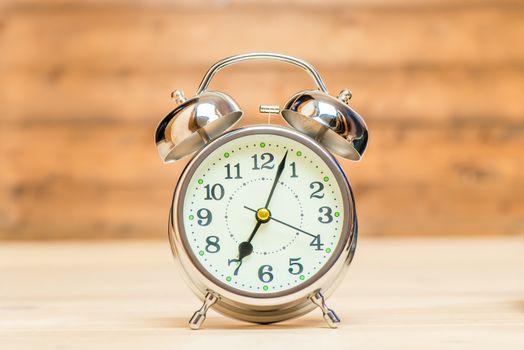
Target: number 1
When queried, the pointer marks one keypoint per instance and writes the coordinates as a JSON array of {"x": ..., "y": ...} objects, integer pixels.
[{"x": 293, "y": 169}]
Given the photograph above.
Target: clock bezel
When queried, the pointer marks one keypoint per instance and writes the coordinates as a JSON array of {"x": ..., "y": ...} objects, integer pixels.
[{"x": 276, "y": 305}]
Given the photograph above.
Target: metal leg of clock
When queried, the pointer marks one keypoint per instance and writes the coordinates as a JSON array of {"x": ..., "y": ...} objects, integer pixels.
[
  {"x": 200, "y": 315},
  {"x": 329, "y": 315}
]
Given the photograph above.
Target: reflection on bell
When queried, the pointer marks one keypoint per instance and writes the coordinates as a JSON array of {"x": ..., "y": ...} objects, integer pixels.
[
  {"x": 329, "y": 121},
  {"x": 194, "y": 123}
]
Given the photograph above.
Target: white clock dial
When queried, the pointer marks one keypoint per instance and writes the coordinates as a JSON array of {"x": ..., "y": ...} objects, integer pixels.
[{"x": 223, "y": 194}]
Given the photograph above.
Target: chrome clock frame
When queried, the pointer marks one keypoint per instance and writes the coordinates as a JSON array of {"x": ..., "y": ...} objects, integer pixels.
[{"x": 263, "y": 307}]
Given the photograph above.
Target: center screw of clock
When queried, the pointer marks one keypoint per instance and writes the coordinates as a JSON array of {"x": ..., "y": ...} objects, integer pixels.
[{"x": 263, "y": 215}]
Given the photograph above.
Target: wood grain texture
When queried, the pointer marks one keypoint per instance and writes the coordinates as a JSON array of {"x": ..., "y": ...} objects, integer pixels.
[
  {"x": 377, "y": 37},
  {"x": 83, "y": 84},
  {"x": 419, "y": 95},
  {"x": 97, "y": 39},
  {"x": 412, "y": 182},
  {"x": 308, "y": 4},
  {"x": 398, "y": 294}
]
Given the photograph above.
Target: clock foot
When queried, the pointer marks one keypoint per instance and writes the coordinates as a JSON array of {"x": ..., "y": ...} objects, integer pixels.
[
  {"x": 329, "y": 315},
  {"x": 200, "y": 315}
]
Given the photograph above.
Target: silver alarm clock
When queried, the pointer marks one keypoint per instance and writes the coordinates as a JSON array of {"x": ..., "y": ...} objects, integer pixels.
[{"x": 263, "y": 221}]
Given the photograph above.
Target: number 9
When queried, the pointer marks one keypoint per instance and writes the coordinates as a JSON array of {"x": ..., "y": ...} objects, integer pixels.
[{"x": 204, "y": 217}]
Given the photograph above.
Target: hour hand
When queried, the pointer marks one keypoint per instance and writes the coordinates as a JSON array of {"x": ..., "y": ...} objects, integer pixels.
[{"x": 244, "y": 249}]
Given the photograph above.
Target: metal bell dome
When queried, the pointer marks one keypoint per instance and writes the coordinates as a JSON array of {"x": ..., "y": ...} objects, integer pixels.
[
  {"x": 329, "y": 120},
  {"x": 194, "y": 123}
]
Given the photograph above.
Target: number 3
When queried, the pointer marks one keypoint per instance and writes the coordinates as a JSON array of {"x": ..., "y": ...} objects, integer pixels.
[{"x": 327, "y": 217}]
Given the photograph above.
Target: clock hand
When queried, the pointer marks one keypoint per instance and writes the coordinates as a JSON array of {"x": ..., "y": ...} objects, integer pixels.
[
  {"x": 246, "y": 248},
  {"x": 285, "y": 224},
  {"x": 262, "y": 215},
  {"x": 277, "y": 177}
]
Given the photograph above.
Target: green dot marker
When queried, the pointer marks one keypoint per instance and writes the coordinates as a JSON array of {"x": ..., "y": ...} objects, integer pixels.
[
  {"x": 326, "y": 179},
  {"x": 201, "y": 253},
  {"x": 200, "y": 181},
  {"x": 262, "y": 145},
  {"x": 302, "y": 277},
  {"x": 265, "y": 288},
  {"x": 228, "y": 278},
  {"x": 328, "y": 250},
  {"x": 226, "y": 155},
  {"x": 191, "y": 217},
  {"x": 337, "y": 214},
  {"x": 299, "y": 153}
]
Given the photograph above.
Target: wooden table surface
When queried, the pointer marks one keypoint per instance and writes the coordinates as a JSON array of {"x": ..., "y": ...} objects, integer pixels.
[{"x": 399, "y": 294}]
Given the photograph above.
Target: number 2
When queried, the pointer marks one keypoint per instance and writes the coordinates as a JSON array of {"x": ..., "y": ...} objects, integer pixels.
[{"x": 318, "y": 192}]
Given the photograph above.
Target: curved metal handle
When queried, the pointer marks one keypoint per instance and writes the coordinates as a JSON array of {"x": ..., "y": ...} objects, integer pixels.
[{"x": 260, "y": 56}]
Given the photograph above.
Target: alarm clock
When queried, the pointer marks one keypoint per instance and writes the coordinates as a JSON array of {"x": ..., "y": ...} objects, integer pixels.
[{"x": 263, "y": 222}]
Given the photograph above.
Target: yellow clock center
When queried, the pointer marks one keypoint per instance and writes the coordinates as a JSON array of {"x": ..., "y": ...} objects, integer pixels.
[{"x": 263, "y": 215}]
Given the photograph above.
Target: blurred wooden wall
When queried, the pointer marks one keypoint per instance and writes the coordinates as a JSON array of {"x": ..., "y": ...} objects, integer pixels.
[{"x": 84, "y": 83}]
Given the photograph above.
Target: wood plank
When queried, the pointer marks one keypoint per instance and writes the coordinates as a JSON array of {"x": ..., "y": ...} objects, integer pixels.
[
  {"x": 420, "y": 95},
  {"x": 412, "y": 182},
  {"x": 125, "y": 154},
  {"x": 280, "y": 4},
  {"x": 63, "y": 209},
  {"x": 398, "y": 294},
  {"x": 159, "y": 38}
]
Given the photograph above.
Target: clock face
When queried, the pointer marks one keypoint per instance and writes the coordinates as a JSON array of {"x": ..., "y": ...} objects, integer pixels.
[{"x": 263, "y": 214}]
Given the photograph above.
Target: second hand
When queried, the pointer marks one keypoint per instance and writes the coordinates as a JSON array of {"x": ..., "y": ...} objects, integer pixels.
[{"x": 284, "y": 223}]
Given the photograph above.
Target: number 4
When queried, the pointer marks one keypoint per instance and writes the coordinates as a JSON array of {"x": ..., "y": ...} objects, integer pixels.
[{"x": 317, "y": 243}]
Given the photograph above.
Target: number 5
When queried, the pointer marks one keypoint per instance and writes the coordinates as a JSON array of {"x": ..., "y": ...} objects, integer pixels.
[{"x": 294, "y": 262}]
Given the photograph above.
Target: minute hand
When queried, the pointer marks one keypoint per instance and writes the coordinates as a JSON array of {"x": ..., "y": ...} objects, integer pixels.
[
  {"x": 277, "y": 177},
  {"x": 285, "y": 224}
]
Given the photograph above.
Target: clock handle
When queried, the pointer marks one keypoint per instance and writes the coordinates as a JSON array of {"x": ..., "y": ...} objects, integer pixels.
[{"x": 260, "y": 56}]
